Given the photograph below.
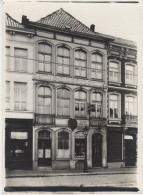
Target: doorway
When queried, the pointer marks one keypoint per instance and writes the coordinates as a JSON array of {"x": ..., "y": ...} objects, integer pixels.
[
  {"x": 96, "y": 150},
  {"x": 44, "y": 149}
]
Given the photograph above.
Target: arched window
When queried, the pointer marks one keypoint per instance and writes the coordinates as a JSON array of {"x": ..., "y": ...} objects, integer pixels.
[
  {"x": 63, "y": 60},
  {"x": 80, "y": 63},
  {"x": 96, "y": 66},
  {"x": 63, "y": 103},
  {"x": 44, "y": 57},
  {"x": 80, "y": 103},
  {"x": 44, "y": 100},
  {"x": 114, "y": 71},
  {"x": 96, "y": 99}
]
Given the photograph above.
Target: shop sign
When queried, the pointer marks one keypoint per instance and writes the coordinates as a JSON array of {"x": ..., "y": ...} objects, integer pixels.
[{"x": 19, "y": 135}]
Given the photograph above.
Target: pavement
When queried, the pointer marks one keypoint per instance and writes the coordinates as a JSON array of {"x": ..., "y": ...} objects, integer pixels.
[{"x": 53, "y": 173}]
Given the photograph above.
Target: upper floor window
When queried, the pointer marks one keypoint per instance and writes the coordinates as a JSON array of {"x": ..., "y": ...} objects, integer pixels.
[
  {"x": 44, "y": 100},
  {"x": 80, "y": 103},
  {"x": 96, "y": 66},
  {"x": 63, "y": 59},
  {"x": 130, "y": 105},
  {"x": 80, "y": 63},
  {"x": 20, "y": 56},
  {"x": 114, "y": 106},
  {"x": 63, "y": 102},
  {"x": 7, "y": 95},
  {"x": 7, "y": 53},
  {"x": 114, "y": 71},
  {"x": 20, "y": 96},
  {"x": 44, "y": 57},
  {"x": 96, "y": 99},
  {"x": 129, "y": 76}
]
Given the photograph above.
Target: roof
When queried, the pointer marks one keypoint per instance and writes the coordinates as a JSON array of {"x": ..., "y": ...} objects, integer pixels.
[
  {"x": 63, "y": 20},
  {"x": 12, "y": 23}
]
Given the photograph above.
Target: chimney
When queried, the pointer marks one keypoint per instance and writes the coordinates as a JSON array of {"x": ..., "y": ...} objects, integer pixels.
[{"x": 92, "y": 27}]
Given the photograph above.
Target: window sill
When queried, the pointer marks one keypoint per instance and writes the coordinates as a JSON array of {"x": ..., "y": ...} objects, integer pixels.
[
  {"x": 118, "y": 120},
  {"x": 79, "y": 77},
  {"x": 115, "y": 83},
  {"x": 43, "y": 72},
  {"x": 97, "y": 79},
  {"x": 63, "y": 75},
  {"x": 131, "y": 85}
]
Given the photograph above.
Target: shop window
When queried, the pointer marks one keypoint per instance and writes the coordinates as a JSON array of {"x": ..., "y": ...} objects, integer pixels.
[
  {"x": 114, "y": 71},
  {"x": 96, "y": 99},
  {"x": 80, "y": 63},
  {"x": 7, "y": 95},
  {"x": 129, "y": 76},
  {"x": 114, "y": 106},
  {"x": 79, "y": 144},
  {"x": 44, "y": 100},
  {"x": 44, "y": 57},
  {"x": 63, "y": 60},
  {"x": 7, "y": 53},
  {"x": 20, "y": 96},
  {"x": 130, "y": 105},
  {"x": 21, "y": 61},
  {"x": 63, "y": 103},
  {"x": 80, "y": 103},
  {"x": 96, "y": 66}
]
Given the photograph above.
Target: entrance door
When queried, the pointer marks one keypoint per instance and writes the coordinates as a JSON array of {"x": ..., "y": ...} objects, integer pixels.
[
  {"x": 130, "y": 150},
  {"x": 96, "y": 150},
  {"x": 44, "y": 149}
]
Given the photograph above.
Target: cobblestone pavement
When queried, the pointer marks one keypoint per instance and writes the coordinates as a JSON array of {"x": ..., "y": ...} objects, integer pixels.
[{"x": 113, "y": 180}]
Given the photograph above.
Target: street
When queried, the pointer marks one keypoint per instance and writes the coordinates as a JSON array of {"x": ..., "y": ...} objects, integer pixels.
[{"x": 106, "y": 180}]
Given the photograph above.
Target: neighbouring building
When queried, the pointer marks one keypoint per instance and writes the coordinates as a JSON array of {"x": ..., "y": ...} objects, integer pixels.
[{"x": 58, "y": 70}]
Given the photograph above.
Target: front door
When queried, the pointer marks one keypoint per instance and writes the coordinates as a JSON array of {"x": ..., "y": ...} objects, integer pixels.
[
  {"x": 130, "y": 150},
  {"x": 96, "y": 150},
  {"x": 44, "y": 149}
]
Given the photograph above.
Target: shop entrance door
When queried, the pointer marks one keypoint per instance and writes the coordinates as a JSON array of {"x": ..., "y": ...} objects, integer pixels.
[
  {"x": 44, "y": 149},
  {"x": 96, "y": 150},
  {"x": 130, "y": 150}
]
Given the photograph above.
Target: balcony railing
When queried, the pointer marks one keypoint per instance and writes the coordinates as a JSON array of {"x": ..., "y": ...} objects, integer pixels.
[
  {"x": 130, "y": 120},
  {"x": 44, "y": 119},
  {"x": 98, "y": 122}
]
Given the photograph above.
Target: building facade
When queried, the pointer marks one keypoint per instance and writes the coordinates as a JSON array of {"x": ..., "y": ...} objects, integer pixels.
[{"x": 60, "y": 77}]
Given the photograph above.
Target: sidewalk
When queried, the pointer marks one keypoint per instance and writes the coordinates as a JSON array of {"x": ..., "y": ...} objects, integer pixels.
[{"x": 52, "y": 173}]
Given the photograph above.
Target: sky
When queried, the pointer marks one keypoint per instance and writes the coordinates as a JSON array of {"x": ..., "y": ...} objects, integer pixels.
[{"x": 117, "y": 19}]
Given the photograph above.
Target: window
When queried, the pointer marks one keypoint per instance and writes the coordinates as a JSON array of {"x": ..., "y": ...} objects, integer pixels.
[
  {"x": 20, "y": 56},
  {"x": 20, "y": 96},
  {"x": 80, "y": 103},
  {"x": 130, "y": 105},
  {"x": 80, "y": 63},
  {"x": 7, "y": 57},
  {"x": 44, "y": 100},
  {"x": 96, "y": 99},
  {"x": 44, "y": 57},
  {"x": 79, "y": 144},
  {"x": 63, "y": 140},
  {"x": 114, "y": 106},
  {"x": 63, "y": 103},
  {"x": 129, "y": 74},
  {"x": 114, "y": 71},
  {"x": 63, "y": 58},
  {"x": 7, "y": 95},
  {"x": 96, "y": 66}
]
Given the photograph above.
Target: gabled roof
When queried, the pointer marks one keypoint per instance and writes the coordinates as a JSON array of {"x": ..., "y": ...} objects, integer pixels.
[
  {"x": 63, "y": 20},
  {"x": 12, "y": 23}
]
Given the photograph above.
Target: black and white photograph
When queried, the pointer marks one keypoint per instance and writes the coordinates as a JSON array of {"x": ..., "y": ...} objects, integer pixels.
[{"x": 72, "y": 96}]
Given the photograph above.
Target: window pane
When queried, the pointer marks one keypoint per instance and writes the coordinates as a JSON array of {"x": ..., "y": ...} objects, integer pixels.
[
  {"x": 79, "y": 147},
  {"x": 41, "y": 91},
  {"x": 47, "y": 91}
]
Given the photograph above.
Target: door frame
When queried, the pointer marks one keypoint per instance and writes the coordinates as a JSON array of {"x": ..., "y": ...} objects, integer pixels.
[{"x": 92, "y": 147}]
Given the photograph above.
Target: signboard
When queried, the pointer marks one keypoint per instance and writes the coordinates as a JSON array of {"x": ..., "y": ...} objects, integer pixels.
[{"x": 72, "y": 123}]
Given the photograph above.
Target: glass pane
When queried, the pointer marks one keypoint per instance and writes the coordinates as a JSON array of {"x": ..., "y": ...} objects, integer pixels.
[
  {"x": 83, "y": 73},
  {"x": 99, "y": 58},
  {"x": 66, "y": 61},
  {"x": 41, "y": 66},
  {"x": 66, "y": 52},
  {"x": 41, "y": 91},
  {"x": 66, "y": 70},
  {"x": 20, "y": 52},
  {"x": 47, "y": 102},
  {"x": 77, "y": 95},
  {"x": 48, "y": 67},
  {"x": 77, "y": 72},
  {"x": 40, "y": 101},
  {"x": 60, "y": 69},
  {"x": 114, "y": 65},
  {"x": 47, "y": 91}
]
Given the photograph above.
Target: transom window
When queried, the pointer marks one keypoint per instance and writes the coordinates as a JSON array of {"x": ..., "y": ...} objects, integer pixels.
[
  {"x": 80, "y": 103},
  {"x": 20, "y": 96},
  {"x": 96, "y": 99},
  {"x": 63, "y": 59},
  {"x": 129, "y": 74},
  {"x": 20, "y": 56},
  {"x": 44, "y": 57},
  {"x": 114, "y": 106},
  {"x": 44, "y": 100},
  {"x": 130, "y": 105},
  {"x": 80, "y": 63},
  {"x": 114, "y": 71},
  {"x": 96, "y": 66},
  {"x": 63, "y": 103}
]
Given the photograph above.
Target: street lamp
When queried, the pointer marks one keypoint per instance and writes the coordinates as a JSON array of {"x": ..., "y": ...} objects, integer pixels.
[{"x": 85, "y": 131}]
